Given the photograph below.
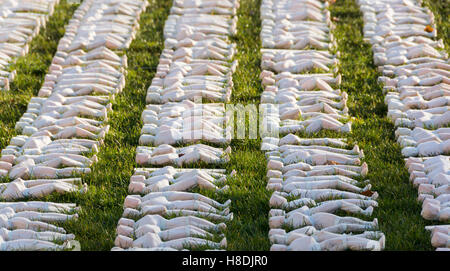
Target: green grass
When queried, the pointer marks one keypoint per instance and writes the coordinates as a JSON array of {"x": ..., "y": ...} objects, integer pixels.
[{"x": 398, "y": 213}]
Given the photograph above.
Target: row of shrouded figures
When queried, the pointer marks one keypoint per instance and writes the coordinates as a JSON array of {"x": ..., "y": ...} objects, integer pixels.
[
  {"x": 416, "y": 77},
  {"x": 317, "y": 182},
  {"x": 64, "y": 126},
  {"x": 20, "y": 22},
  {"x": 164, "y": 211}
]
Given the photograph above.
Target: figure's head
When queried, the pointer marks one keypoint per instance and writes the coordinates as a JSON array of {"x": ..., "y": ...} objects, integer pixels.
[
  {"x": 130, "y": 212},
  {"x": 276, "y": 212},
  {"x": 430, "y": 209},
  {"x": 277, "y": 200},
  {"x": 276, "y": 222}
]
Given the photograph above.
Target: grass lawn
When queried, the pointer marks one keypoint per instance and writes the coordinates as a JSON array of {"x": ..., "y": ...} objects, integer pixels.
[{"x": 398, "y": 211}]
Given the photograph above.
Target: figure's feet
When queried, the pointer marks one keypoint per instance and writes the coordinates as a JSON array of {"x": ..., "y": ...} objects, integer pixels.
[
  {"x": 221, "y": 227},
  {"x": 364, "y": 169},
  {"x": 223, "y": 243},
  {"x": 224, "y": 189},
  {"x": 367, "y": 188},
  {"x": 375, "y": 222},
  {"x": 84, "y": 189},
  {"x": 368, "y": 211}
]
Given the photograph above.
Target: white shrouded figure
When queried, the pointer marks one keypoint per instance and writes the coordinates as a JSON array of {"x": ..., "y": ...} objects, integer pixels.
[
  {"x": 20, "y": 189},
  {"x": 11, "y": 235}
]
